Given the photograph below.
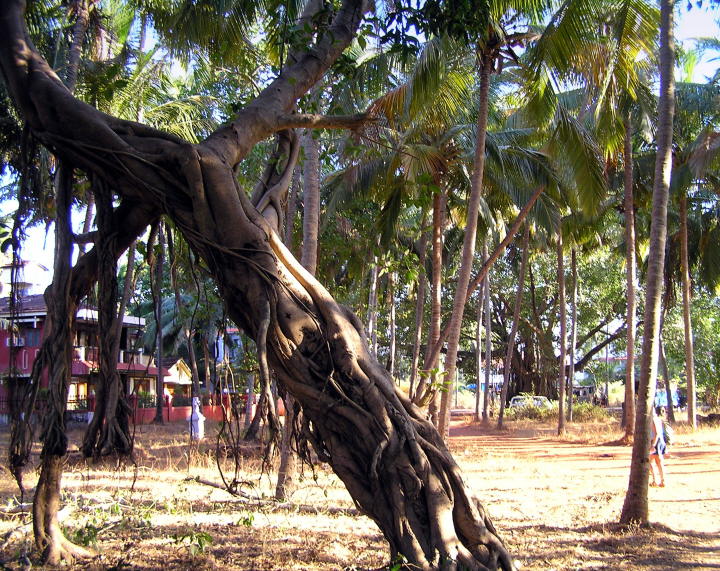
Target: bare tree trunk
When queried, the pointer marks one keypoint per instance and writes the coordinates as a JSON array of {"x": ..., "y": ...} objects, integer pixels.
[
  {"x": 631, "y": 282},
  {"x": 468, "y": 250},
  {"x": 668, "y": 385},
  {"x": 292, "y": 208},
  {"x": 516, "y": 322},
  {"x": 159, "y": 268},
  {"x": 288, "y": 468},
  {"x": 478, "y": 347},
  {"x": 573, "y": 334},
  {"x": 424, "y": 391},
  {"x": 419, "y": 314},
  {"x": 687, "y": 321},
  {"x": 250, "y": 391},
  {"x": 109, "y": 430},
  {"x": 49, "y": 537},
  {"x": 391, "y": 326},
  {"x": 488, "y": 340},
  {"x": 372, "y": 306},
  {"x": 562, "y": 380},
  {"x": 311, "y": 202},
  {"x": 635, "y": 507}
]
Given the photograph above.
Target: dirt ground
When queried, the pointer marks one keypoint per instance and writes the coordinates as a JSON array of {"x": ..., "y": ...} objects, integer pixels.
[{"x": 554, "y": 500}]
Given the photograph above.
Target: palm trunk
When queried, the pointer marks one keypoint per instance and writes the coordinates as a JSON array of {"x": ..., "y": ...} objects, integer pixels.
[
  {"x": 419, "y": 314},
  {"x": 424, "y": 393},
  {"x": 82, "y": 19},
  {"x": 287, "y": 470},
  {"x": 393, "y": 337},
  {"x": 687, "y": 321},
  {"x": 488, "y": 340},
  {"x": 468, "y": 250},
  {"x": 635, "y": 507},
  {"x": 516, "y": 322},
  {"x": 157, "y": 301},
  {"x": 573, "y": 334},
  {"x": 478, "y": 349},
  {"x": 311, "y": 202},
  {"x": 563, "y": 333},
  {"x": 631, "y": 283},
  {"x": 668, "y": 385},
  {"x": 372, "y": 306}
]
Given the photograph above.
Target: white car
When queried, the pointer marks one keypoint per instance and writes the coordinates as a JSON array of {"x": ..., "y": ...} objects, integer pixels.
[{"x": 528, "y": 400}]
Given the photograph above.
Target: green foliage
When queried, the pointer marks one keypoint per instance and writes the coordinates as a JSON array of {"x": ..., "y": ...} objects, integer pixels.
[
  {"x": 532, "y": 412},
  {"x": 588, "y": 412},
  {"x": 196, "y": 542}
]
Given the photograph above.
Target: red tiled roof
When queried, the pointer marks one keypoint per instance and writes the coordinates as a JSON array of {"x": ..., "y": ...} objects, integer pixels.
[{"x": 82, "y": 368}]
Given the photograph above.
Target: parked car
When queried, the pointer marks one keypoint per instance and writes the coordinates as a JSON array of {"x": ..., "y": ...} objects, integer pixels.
[{"x": 530, "y": 400}]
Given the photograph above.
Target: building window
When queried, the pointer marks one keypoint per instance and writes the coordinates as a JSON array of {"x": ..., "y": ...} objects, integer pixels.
[
  {"x": 24, "y": 359},
  {"x": 32, "y": 337}
]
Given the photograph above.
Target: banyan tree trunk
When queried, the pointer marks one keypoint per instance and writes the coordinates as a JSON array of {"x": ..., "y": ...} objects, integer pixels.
[{"x": 393, "y": 462}]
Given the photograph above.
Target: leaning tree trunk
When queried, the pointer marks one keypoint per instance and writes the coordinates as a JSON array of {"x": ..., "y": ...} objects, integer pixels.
[
  {"x": 631, "y": 282},
  {"x": 393, "y": 462},
  {"x": 287, "y": 469},
  {"x": 635, "y": 507},
  {"x": 507, "y": 364},
  {"x": 687, "y": 321}
]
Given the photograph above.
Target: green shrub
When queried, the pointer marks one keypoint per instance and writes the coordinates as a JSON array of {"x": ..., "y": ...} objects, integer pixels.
[
  {"x": 588, "y": 412},
  {"x": 532, "y": 412}
]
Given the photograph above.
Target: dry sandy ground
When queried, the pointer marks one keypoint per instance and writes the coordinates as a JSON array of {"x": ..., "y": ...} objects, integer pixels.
[{"x": 555, "y": 502}]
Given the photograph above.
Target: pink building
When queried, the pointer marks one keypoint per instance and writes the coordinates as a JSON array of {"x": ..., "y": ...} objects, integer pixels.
[{"x": 21, "y": 335}]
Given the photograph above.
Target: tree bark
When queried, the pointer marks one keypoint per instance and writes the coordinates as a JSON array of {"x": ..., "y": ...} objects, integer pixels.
[
  {"x": 631, "y": 282},
  {"x": 372, "y": 306},
  {"x": 159, "y": 270},
  {"x": 488, "y": 340},
  {"x": 563, "y": 333},
  {"x": 392, "y": 349},
  {"x": 507, "y": 365},
  {"x": 49, "y": 538},
  {"x": 635, "y": 507},
  {"x": 419, "y": 314},
  {"x": 468, "y": 250},
  {"x": 668, "y": 386},
  {"x": 109, "y": 430},
  {"x": 394, "y": 464},
  {"x": 478, "y": 346},
  {"x": 311, "y": 202},
  {"x": 426, "y": 386},
  {"x": 687, "y": 320},
  {"x": 573, "y": 333}
]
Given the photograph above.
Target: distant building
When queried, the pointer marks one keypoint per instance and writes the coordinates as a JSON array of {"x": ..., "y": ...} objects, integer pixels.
[
  {"x": 28, "y": 279},
  {"x": 20, "y": 339}
]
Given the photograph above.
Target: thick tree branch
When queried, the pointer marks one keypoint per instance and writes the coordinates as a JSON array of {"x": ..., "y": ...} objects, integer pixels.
[{"x": 318, "y": 121}]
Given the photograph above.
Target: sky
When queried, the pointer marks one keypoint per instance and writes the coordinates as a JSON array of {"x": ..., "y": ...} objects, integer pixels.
[{"x": 690, "y": 24}]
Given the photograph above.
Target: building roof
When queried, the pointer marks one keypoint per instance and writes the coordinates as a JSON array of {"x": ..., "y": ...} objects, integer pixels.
[
  {"x": 80, "y": 368},
  {"x": 35, "y": 306}
]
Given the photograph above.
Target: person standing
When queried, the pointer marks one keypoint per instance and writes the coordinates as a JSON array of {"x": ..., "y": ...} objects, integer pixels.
[{"x": 657, "y": 450}]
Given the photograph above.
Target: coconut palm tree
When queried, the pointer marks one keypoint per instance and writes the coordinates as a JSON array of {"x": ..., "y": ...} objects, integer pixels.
[{"x": 635, "y": 507}]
